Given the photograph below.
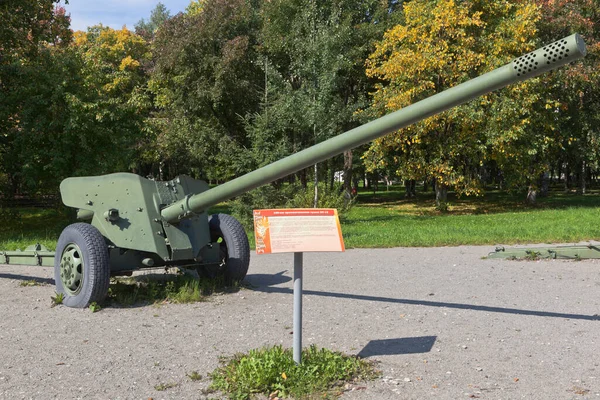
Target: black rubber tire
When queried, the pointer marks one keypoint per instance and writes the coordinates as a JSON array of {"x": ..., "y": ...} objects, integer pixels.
[
  {"x": 96, "y": 267},
  {"x": 235, "y": 250}
]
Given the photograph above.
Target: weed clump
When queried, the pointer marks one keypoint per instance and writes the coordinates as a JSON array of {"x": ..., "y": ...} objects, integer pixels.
[
  {"x": 57, "y": 300},
  {"x": 272, "y": 371}
]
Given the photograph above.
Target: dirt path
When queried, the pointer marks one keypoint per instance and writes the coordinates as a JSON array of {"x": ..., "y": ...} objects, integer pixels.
[{"x": 443, "y": 323}]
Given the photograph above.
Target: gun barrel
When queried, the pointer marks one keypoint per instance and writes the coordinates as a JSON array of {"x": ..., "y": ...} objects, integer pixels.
[{"x": 527, "y": 66}]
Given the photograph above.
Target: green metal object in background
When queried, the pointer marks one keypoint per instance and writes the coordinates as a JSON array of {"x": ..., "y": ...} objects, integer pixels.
[
  {"x": 135, "y": 223},
  {"x": 33, "y": 255},
  {"x": 577, "y": 252}
]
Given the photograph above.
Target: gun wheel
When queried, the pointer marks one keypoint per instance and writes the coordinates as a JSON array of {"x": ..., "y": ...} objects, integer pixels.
[
  {"x": 233, "y": 245},
  {"x": 81, "y": 266}
]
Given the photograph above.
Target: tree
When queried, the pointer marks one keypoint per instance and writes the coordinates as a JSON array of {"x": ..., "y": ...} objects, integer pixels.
[
  {"x": 195, "y": 7},
  {"x": 111, "y": 108},
  {"x": 313, "y": 63},
  {"x": 158, "y": 16},
  {"x": 205, "y": 80},
  {"x": 441, "y": 44},
  {"x": 571, "y": 103},
  {"x": 35, "y": 71}
]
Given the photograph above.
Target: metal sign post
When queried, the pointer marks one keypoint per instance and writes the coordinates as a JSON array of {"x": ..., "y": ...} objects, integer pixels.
[
  {"x": 296, "y": 231},
  {"x": 298, "y": 308}
]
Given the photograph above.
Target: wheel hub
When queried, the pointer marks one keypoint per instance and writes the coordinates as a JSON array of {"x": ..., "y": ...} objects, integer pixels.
[{"x": 71, "y": 269}]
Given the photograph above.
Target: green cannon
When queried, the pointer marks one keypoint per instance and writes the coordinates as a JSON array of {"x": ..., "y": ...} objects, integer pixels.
[{"x": 131, "y": 223}]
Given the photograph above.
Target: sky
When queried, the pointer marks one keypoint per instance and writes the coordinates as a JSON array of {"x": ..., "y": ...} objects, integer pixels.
[{"x": 115, "y": 13}]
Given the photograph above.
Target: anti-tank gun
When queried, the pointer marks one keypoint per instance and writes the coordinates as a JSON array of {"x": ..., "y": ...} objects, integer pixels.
[{"x": 132, "y": 223}]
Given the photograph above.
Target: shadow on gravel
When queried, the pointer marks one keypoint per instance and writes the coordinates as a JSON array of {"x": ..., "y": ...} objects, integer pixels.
[
  {"x": 49, "y": 281},
  {"x": 389, "y": 347},
  {"x": 260, "y": 280},
  {"x": 459, "y": 306}
]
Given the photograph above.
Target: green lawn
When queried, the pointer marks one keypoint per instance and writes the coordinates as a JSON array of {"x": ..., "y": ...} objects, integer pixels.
[
  {"x": 25, "y": 226},
  {"x": 386, "y": 219},
  {"x": 382, "y": 227}
]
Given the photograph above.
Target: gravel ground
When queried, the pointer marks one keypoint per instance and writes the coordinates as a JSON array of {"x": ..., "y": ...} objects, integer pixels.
[{"x": 443, "y": 323}]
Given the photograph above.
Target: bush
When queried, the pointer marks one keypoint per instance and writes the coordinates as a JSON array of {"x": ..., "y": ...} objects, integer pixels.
[
  {"x": 11, "y": 218},
  {"x": 288, "y": 196}
]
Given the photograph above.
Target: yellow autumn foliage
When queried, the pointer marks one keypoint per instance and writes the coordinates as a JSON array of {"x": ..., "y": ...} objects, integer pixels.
[
  {"x": 113, "y": 58},
  {"x": 442, "y": 44}
]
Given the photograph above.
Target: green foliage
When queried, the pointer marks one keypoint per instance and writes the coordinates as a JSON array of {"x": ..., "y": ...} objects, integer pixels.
[
  {"x": 567, "y": 116},
  {"x": 204, "y": 80},
  {"x": 234, "y": 85},
  {"x": 22, "y": 227},
  {"x": 442, "y": 206},
  {"x": 27, "y": 24},
  {"x": 57, "y": 299},
  {"x": 158, "y": 16},
  {"x": 94, "y": 307},
  {"x": 40, "y": 152},
  {"x": 312, "y": 55},
  {"x": 73, "y": 109},
  {"x": 112, "y": 109},
  {"x": 194, "y": 376},
  {"x": 36, "y": 70},
  {"x": 288, "y": 196},
  {"x": 177, "y": 289},
  {"x": 8, "y": 216},
  {"x": 532, "y": 255},
  {"x": 273, "y": 370}
]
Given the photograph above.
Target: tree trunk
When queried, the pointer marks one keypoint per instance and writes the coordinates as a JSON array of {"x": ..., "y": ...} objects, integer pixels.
[
  {"x": 303, "y": 178},
  {"x": 532, "y": 195},
  {"x": 544, "y": 184},
  {"x": 161, "y": 176},
  {"x": 374, "y": 182},
  {"x": 409, "y": 188},
  {"x": 582, "y": 178},
  {"x": 348, "y": 170},
  {"x": 567, "y": 173},
  {"x": 441, "y": 196},
  {"x": 331, "y": 172}
]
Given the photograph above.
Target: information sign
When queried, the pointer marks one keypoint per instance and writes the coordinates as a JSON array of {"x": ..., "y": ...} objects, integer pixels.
[{"x": 297, "y": 230}]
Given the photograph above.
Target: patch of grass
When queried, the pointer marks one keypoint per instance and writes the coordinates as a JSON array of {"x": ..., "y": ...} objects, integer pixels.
[
  {"x": 411, "y": 224},
  {"x": 194, "y": 376},
  {"x": 165, "y": 386},
  {"x": 532, "y": 255},
  {"x": 27, "y": 226},
  {"x": 58, "y": 299},
  {"x": 272, "y": 371},
  {"x": 94, "y": 307},
  {"x": 165, "y": 289},
  {"x": 31, "y": 282}
]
